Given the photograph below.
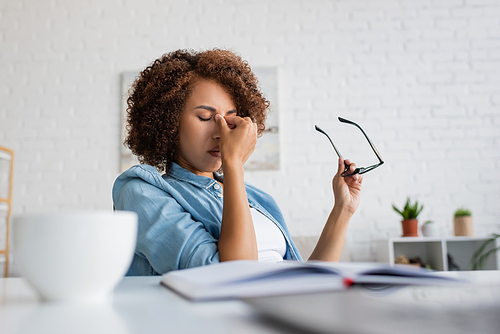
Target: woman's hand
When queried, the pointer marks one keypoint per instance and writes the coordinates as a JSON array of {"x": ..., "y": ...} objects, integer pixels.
[
  {"x": 238, "y": 137},
  {"x": 347, "y": 190}
]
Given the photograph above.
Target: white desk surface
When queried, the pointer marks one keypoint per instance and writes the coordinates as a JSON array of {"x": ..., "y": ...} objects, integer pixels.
[
  {"x": 142, "y": 305},
  {"x": 138, "y": 305}
]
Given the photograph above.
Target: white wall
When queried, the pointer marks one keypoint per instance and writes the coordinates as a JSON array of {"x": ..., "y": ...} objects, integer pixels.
[{"x": 422, "y": 77}]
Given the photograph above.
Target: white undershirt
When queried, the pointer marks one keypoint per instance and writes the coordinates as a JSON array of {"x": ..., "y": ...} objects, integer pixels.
[{"x": 271, "y": 244}]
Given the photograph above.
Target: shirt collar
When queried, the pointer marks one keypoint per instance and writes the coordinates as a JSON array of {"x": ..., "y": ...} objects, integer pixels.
[{"x": 182, "y": 174}]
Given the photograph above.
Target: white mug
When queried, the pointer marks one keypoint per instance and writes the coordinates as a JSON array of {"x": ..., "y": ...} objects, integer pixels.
[{"x": 75, "y": 256}]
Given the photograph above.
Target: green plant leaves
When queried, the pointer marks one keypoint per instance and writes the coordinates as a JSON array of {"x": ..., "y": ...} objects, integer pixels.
[
  {"x": 396, "y": 209},
  {"x": 410, "y": 211},
  {"x": 480, "y": 257},
  {"x": 462, "y": 212}
]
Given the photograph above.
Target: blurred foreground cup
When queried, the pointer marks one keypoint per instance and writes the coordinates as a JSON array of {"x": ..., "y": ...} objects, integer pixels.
[{"x": 75, "y": 256}]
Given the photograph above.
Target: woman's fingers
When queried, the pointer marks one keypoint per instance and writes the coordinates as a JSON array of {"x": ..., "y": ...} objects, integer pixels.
[
  {"x": 352, "y": 168},
  {"x": 340, "y": 167},
  {"x": 347, "y": 189},
  {"x": 221, "y": 122},
  {"x": 235, "y": 121},
  {"x": 244, "y": 124},
  {"x": 238, "y": 137}
]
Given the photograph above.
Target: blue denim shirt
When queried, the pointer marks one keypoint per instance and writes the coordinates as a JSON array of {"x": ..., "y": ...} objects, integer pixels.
[{"x": 180, "y": 216}]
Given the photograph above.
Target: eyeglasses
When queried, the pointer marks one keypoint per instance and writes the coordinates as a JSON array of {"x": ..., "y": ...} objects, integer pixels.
[{"x": 360, "y": 170}]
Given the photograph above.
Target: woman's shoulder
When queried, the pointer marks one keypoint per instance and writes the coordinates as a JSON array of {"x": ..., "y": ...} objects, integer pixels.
[
  {"x": 143, "y": 178},
  {"x": 257, "y": 194},
  {"x": 139, "y": 177},
  {"x": 145, "y": 172}
]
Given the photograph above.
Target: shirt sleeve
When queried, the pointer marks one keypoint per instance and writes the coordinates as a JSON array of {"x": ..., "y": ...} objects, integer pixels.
[{"x": 168, "y": 237}]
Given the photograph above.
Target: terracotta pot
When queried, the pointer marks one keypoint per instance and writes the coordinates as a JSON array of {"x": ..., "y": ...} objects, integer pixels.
[
  {"x": 410, "y": 227},
  {"x": 463, "y": 226}
]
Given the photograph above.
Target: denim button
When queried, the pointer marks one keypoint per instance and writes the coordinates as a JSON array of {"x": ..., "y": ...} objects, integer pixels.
[{"x": 216, "y": 186}]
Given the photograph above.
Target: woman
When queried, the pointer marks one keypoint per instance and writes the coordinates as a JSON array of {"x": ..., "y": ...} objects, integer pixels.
[{"x": 191, "y": 114}]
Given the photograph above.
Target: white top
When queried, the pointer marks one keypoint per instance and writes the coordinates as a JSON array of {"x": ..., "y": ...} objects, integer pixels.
[{"x": 270, "y": 241}]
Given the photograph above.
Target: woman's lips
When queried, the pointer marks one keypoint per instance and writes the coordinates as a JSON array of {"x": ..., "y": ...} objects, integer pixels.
[{"x": 215, "y": 152}]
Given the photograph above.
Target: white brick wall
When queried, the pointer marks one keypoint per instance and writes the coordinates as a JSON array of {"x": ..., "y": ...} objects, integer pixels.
[{"x": 422, "y": 78}]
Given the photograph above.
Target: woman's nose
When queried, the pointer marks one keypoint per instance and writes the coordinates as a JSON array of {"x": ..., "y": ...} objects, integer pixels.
[{"x": 215, "y": 132}]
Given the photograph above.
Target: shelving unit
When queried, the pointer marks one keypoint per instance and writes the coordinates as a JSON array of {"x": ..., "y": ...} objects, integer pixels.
[
  {"x": 434, "y": 251},
  {"x": 6, "y": 176}
]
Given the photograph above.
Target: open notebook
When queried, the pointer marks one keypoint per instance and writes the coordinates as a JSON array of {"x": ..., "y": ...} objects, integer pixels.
[{"x": 243, "y": 279}]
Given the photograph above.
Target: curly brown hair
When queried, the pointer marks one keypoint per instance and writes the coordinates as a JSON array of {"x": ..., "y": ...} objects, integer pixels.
[{"x": 157, "y": 97}]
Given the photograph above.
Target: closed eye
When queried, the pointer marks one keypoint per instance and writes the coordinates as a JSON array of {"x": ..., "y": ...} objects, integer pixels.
[{"x": 204, "y": 119}]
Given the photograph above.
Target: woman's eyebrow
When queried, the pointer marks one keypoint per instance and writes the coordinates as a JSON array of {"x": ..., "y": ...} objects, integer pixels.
[{"x": 211, "y": 109}]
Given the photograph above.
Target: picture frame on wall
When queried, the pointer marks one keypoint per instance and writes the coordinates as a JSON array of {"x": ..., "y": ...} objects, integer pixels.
[
  {"x": 267, "y": 151},
  {"x": 127, "y": 158}
]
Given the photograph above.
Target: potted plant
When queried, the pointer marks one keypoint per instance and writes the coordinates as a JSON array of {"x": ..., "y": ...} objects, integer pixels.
[
  {"x": 463, "y": 224},
  {"x": 429, "y": 229},
  {"x": 410, "y": 214},
  {"x": 482, "y": 254}
]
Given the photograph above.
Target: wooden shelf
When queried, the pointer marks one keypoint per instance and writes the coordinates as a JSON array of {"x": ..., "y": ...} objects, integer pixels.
[
  {"x": 6, "y": 204},
  {"x": 5, "y": 156}
]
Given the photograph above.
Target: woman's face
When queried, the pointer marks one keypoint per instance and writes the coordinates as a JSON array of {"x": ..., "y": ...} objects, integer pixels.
[{"x": 198, "y": 132}]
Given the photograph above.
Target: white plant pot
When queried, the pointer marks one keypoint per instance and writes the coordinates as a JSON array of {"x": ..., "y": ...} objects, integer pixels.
[{"x": 430, "y": 230}]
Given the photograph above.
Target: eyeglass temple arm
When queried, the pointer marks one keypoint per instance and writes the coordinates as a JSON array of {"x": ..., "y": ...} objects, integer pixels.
[
  {"x": 327, "y": 136},
  {"x": 343, "y": 120}
]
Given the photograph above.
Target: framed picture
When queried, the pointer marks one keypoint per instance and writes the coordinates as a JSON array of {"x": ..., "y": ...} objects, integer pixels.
[
  {"x": 266, "y": 155},
  {"x": 267, "y": 151},
  {"x": 127, "y": 159}
]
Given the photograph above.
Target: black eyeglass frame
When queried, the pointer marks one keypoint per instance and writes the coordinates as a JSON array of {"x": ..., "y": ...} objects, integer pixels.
[{"x": 359, "y": 170}]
